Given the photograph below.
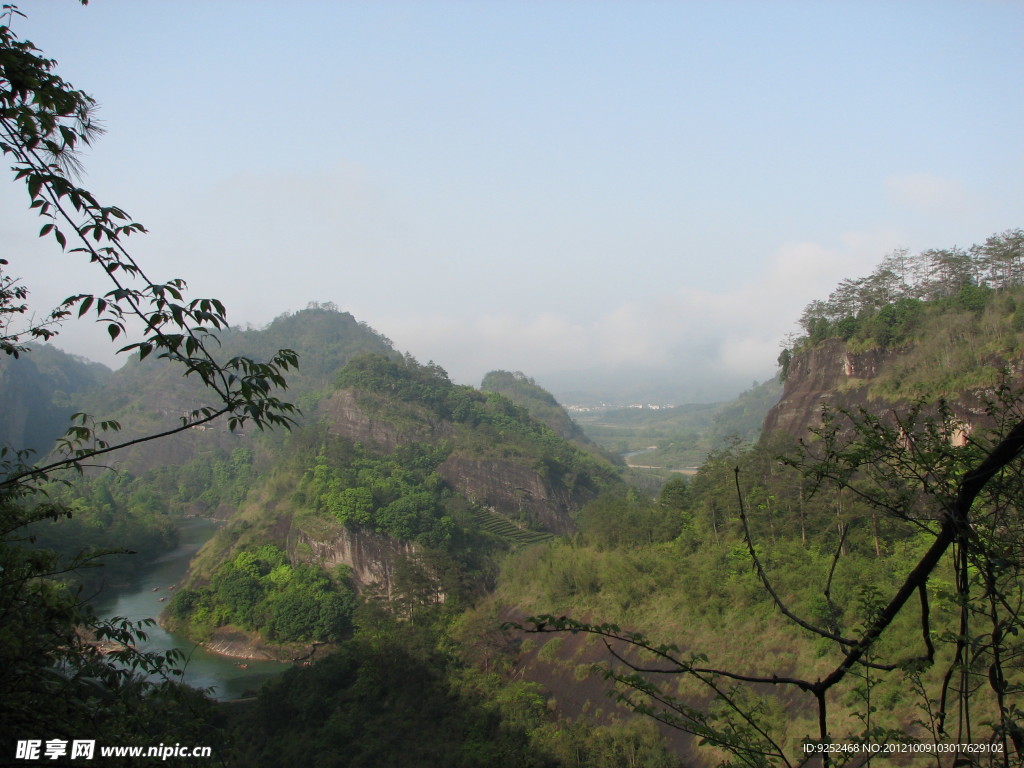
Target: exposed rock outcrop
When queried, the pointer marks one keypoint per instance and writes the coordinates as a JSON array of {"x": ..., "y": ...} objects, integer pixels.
[
  {"x": 508, "y": 487},
  {"x": 829, "y": 374},
  {"x": 346, "y": 417},
  {"x": 371, "y": 558},
  {"x": 515, "y": 491}
]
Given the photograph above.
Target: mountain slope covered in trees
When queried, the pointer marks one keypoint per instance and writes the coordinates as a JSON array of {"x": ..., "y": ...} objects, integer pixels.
[
  {"x": 791, "y": 563},
  {"x": 409, "y": 483},
  {"x": 406, "y": 518},
  {"x": 39, "y": 392},
  {"x": 525, "y": 392},
  {"x": 943, "y": 324}
]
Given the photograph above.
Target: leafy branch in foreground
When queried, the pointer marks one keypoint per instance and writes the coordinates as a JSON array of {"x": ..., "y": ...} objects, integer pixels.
[
  {"x": 57, "y": 682},
  {"x": 967, "y": 500},
  {"x": 64, "y": 672},
  {"x": 44, "y": 121}
]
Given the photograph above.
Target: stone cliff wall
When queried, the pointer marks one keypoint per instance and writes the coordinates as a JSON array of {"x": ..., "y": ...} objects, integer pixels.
[
  {"x": 825, "y": 375},
  {"x": 347, "y": 418},
  {"x": 513, "y": 490},
  {"x": 508, "y": 487},
  {"x": 830, "y": 374},
  {"x": 371, "y": 557}
]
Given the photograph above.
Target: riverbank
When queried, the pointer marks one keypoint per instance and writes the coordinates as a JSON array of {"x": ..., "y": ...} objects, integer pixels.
[
  {"x": 235, "y": 643},
  {"x": 203, "y": 668},
  {"x": 679, "y": 470}
]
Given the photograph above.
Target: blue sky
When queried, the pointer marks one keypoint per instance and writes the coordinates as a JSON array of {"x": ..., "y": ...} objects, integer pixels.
[{"x": 569, "y": 189}]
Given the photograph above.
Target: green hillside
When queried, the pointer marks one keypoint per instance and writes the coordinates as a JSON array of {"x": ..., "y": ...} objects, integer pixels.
[
  {"x": 406, "y": 520},
  {"x": 149, "y": 395},
  {"x": 541, "y": 404},
  {"x": 954, "y": 316},
  {"x": 790, "y": 565},
  {"x": 410, "y": 489}
]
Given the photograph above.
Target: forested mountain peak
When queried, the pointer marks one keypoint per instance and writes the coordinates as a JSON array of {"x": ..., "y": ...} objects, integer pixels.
[
  {"x": 325, "y": 338},
  {"x": 149, "y": 393},
  {"x": 406, "y": 400},
  {"x": 943, "y": 323},
  {"x": 883, "y": 309}
]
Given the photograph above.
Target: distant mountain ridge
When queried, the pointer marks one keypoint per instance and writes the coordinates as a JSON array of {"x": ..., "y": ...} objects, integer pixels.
[
  {"x": 151, "y": 395},
  {"x": 38, "y": 393}
]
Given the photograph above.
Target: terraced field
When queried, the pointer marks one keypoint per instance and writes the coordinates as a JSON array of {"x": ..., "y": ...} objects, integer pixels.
[{"x": 497, "y": 525}]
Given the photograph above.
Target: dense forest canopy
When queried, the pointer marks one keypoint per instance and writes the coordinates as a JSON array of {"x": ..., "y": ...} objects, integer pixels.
[{"x": 884, "y": 305}]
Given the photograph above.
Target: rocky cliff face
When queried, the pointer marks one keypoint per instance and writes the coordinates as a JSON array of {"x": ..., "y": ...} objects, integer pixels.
[
  {"x": 830, "y": 374},
  {"x": 508, "y": 487},
  {"x": 347, "y": 418},
  {"x": 540, "y": 483},
  {"x": 511, "y": 487},
  {"x": 514, "y": 491},
  {"x": 371, "y": 558}
]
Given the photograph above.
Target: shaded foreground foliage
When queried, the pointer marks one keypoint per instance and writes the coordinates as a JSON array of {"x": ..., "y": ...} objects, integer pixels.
[
  {"x": 400, "y": 694},
  {"x": 56, "y": 683},
  {"x": 942, "y": 633}
]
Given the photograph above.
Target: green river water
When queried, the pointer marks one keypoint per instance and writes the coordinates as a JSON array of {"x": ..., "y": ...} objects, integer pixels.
[{"x": 141, "y": 600}]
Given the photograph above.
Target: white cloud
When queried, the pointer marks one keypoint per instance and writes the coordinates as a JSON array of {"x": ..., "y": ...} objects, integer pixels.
[{"x": 731, "y": 331}]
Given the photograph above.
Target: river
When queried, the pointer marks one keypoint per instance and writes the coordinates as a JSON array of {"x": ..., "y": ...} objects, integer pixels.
[
  {"x": 141, "y": 600},
  {"x": 630, "y": 454}
]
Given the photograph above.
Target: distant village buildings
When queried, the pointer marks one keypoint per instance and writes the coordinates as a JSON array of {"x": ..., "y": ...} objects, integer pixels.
[{"x": 609, "y": 407}]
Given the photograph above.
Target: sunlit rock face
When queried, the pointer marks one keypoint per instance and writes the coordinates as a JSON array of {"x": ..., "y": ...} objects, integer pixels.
[
  {"x": 371, "y": 558},
  {"x": 512, "y": 487},
  {"x": 831, "y": 375},
  {"x": 345, "y": 417},
  {"x": 515, "y": 491}
]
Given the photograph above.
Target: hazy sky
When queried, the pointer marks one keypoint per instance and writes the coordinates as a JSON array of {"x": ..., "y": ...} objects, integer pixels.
[{"x": 542, "y": 186}]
